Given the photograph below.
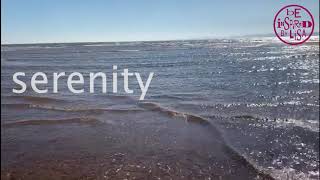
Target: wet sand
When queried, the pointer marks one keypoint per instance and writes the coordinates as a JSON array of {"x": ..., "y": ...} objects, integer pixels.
[{"x": 150, "y": 143}]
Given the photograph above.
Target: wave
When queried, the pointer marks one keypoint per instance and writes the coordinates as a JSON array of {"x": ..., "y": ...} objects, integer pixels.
[
  {"x": 66, "y": 109},
  {"x": 51, "y": 122},
  {"x": 188, "y": 117},
  {"x": 38, "y": 99},
  {"x": 94, "y": 45},
  {"x": 202, "y": 121},
  {"x": 128, "y": 50},
  {"x": 168, "y": 97},
  {"x": 290, "y": 173},
  {"x": 311, "y": 125},
  {"x": 115, "y": 97},
  {"x": 254, "y": 111},
  {"x": 244, "y": 117},
  {"x": 310, "y": 81}
]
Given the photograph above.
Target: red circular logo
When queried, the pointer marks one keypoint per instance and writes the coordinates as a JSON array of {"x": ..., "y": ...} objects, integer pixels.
[{"x": 293, "y": 24}]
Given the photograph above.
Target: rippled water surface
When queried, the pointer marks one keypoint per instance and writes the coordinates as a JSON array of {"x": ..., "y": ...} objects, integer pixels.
[{"x": 214, "y": 109}]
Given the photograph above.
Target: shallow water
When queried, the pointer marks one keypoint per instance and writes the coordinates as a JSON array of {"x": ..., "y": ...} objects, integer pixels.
[{"x": 210, "y": 105}]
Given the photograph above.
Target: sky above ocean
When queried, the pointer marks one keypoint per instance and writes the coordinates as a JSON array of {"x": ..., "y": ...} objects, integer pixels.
[{"x": 43, "y": 21}]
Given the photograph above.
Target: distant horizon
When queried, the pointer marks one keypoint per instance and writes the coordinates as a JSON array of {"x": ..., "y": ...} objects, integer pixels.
[
  {"x": 173, "y": 39},
  {"x": 159, "y": 40}
]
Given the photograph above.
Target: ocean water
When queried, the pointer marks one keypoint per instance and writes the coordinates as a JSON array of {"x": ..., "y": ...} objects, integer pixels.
[{"x": 215, "y": 109}]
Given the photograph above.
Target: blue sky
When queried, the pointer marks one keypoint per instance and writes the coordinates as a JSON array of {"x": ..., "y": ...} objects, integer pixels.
[{"x": 34, "y": 21}]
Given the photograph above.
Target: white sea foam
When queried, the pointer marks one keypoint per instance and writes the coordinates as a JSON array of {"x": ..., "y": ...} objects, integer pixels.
[
  {"x": 312, "y": 81},
  {"x": 288, "y": 173},
  {"x": 304, "y": 92}
]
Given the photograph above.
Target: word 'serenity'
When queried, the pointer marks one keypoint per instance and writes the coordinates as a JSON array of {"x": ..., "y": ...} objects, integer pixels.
[{"x": 80, "y": 81}]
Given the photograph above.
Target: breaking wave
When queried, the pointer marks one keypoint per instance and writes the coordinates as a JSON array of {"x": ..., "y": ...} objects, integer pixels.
[
  {"x": 191, "y": 118},
  {"x": 52, "y": 122}
]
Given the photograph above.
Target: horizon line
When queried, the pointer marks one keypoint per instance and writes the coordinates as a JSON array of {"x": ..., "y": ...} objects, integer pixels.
[{"x": 157, "y": 40}]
